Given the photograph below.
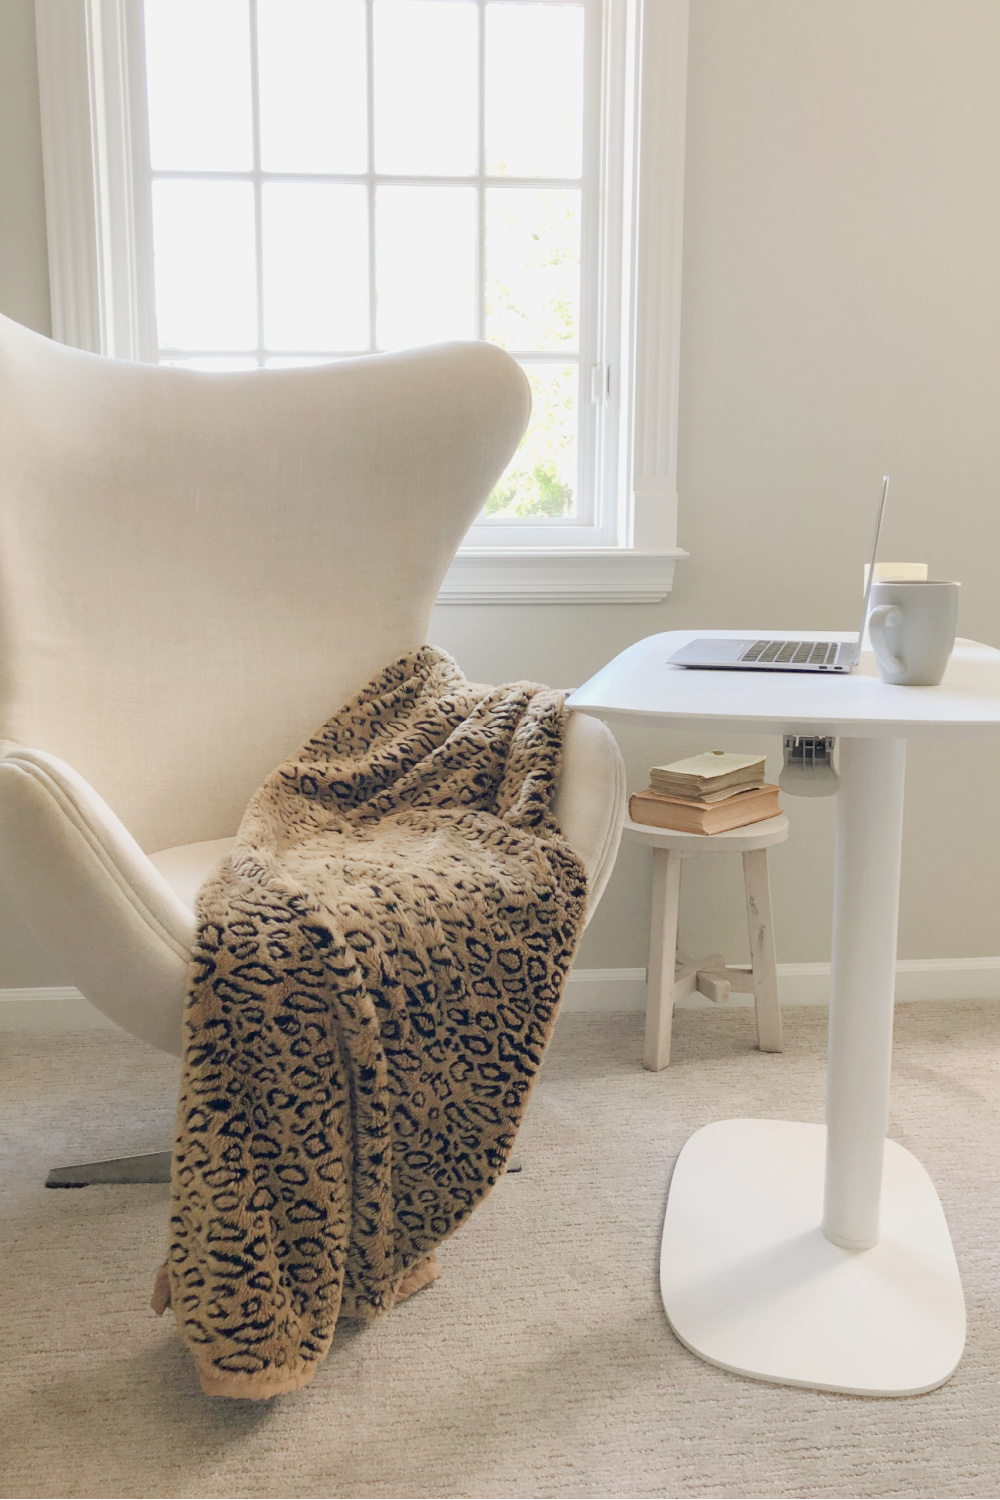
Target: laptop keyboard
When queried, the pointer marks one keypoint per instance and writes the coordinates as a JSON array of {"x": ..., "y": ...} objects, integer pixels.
[{"x": 793, "y": 653}]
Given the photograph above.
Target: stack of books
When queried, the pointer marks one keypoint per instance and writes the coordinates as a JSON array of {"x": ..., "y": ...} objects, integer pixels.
[{"x": 709, "y": 793}]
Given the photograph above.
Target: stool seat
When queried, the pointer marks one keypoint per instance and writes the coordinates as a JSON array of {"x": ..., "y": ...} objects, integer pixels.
[
  {"x": 670, "y": 976},
  {"x": 754, "y": 836}
]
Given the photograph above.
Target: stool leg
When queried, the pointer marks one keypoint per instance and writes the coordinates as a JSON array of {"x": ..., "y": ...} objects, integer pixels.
[
  {"x": 662, "y": 958},
  {"x": 765, "y": 968}
]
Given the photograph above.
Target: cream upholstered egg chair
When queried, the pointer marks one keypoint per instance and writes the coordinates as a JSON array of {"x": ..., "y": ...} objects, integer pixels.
[{"x": 196, "y": 570}]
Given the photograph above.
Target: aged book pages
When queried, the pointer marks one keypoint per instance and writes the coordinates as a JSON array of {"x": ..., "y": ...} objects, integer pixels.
[
  {"x": 700, "y": 776},
  {"x": 686, "y": 816}
]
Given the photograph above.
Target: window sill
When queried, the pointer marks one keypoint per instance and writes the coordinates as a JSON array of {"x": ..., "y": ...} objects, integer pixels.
[{"x": 560, "y": 575}]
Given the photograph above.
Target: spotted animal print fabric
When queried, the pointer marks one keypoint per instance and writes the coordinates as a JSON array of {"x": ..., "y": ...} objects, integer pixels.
[{"x": 377, "y": 968}]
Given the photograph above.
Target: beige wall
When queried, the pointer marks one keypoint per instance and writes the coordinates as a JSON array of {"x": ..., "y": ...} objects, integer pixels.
[
  {"x": 841, "y": 310},
  {"x": 24, "y": 269}
]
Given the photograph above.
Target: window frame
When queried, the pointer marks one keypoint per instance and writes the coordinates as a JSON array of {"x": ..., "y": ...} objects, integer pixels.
[{"x": 91, "y": 73}]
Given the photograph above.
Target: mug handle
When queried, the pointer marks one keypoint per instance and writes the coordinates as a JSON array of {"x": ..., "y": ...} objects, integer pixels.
[{"x": 882, "y": 619}]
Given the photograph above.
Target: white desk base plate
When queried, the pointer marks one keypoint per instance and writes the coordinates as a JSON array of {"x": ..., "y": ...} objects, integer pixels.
[{"x": 750, "y": 1283}]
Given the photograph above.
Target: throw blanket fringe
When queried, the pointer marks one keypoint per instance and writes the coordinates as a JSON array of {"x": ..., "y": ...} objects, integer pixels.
[{"x": 377, "y": 968}]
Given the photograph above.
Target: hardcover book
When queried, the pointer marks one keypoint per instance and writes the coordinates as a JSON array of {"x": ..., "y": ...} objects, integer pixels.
[{"x": 687, "y": 816}]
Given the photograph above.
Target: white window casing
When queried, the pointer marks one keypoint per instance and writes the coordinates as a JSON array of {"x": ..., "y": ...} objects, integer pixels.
[
  {"x": 97, "y": 236},
  {"x": 93, "y": 119}
]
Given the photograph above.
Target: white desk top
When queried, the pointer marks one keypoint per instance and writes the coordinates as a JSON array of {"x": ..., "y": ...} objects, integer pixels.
[{"x": 639, "y": 684}]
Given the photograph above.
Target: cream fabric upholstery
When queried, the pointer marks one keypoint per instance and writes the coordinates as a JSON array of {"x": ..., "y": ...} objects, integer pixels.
[
  {"x": 196, "y": 570},
  {"x": 93, "y": 898},
  {"x": 185, "y": 867}
]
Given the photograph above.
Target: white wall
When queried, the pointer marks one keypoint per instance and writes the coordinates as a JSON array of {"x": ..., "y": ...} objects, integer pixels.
[{"x": 841, "y": 309}]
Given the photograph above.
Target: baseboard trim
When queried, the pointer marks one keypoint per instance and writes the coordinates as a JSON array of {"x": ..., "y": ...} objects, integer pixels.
[
  {"x": 49, "y": 1008},
  {"x": 940, "y": 979},
  {"x": 62, "y": 1008}
]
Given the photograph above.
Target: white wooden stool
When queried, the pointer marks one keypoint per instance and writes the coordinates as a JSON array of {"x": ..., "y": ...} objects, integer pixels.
[{"x": 670, "y": 975}]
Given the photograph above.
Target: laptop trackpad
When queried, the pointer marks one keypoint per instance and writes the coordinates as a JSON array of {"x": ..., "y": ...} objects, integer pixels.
[{"x": 712, "y": 653}]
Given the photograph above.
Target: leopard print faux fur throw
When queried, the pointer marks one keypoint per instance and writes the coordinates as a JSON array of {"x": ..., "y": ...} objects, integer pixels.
[{"x": 377, "y": 968}]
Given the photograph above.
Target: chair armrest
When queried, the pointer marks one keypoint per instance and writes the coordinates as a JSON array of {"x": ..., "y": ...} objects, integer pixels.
[
  {"x": 590, "y": 800},
  {"x": 92, "y": 898}
]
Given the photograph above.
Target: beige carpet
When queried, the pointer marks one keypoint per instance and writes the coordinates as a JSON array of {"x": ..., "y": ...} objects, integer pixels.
[{"x": 541, "y": 1364}]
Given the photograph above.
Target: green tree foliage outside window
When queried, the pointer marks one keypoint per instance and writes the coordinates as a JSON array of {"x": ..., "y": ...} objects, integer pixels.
[{"x": 532, "y": 297}]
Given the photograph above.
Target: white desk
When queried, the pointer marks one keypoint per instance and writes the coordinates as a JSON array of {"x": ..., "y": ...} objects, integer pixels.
[{"x": 840, "y": 1277}]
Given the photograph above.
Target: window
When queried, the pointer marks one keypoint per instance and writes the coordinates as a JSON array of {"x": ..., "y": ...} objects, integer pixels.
[
  {"x": 277, "y": 182},
  {"x": 337, "y": 177}
]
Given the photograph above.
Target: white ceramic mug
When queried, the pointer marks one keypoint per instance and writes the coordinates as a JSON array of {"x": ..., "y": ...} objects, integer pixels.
[{"x": 912, "y": 629}]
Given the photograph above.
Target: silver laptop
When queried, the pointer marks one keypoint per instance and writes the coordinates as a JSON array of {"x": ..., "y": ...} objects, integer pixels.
[{"x": 759, "y": 654}]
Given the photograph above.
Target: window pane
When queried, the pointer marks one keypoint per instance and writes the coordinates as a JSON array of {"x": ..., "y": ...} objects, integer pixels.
[
  {"x": 295, "y": 361},
  {"x": 315, "y": 266},
  {"x": 532, "y": 267},
  {"x": 534, "y": 90},
  {"x": 204, "y": 266},
  {"x": 214, "y": 363},
  {"x": 198, "y": 85},
  {"x": 541, "y": 477},
  {"x": 312, "y": 85},
  {"x": 426, "y": 264},
  {"x": 426, "y": 85}
]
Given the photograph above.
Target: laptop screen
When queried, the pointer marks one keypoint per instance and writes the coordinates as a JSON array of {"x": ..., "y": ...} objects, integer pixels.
[{"x": 871, "y": 569}]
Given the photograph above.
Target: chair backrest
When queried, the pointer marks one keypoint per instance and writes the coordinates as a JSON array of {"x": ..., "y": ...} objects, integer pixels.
[{"x": 197, "y": 569}]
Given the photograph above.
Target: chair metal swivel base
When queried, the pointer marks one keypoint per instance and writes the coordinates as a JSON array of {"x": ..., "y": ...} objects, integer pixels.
[{"x": 155, "y": 1167}]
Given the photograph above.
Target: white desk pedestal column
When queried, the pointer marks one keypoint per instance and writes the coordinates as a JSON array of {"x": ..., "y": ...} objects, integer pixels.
[
  {"x": 862, "y": 986},
  {"x": 855, "y": 1287}
]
